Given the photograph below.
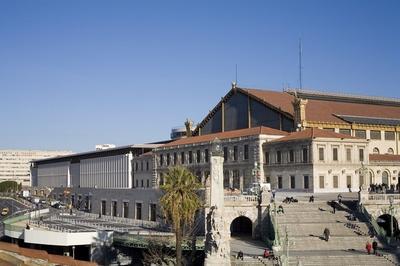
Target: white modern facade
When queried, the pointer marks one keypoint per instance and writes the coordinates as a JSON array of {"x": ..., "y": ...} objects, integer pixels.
[{"x": 15, "y": 164}]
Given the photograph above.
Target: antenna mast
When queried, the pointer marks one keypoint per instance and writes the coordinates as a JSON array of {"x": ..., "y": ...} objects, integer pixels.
[
  {"x": 236, "y": 75},
  {"x": 300, "y": 66}
]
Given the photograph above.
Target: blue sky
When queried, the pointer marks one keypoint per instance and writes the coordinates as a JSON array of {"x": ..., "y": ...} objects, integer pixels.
[{"x": 78, "y": 73}]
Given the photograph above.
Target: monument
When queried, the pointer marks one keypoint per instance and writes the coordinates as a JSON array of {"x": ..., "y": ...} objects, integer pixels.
[{"x": 217, "y": 245}]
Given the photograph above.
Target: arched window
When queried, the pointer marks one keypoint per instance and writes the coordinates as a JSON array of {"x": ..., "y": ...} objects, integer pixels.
[
  {"x": 385, "y": 178},
  {"x": 375, "y": 150},
  {"x": 390, "y": 151}
]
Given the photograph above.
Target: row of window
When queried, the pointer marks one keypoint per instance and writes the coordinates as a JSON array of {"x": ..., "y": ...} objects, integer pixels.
[
  {"x": 142, "y": 166},
  {"x": 373, "y": 134},
  {"x": 335, "y": 154},
  {"x": 376, "y": 151},
  {"x": 114, "y": 211},
  {"x": 305, "y": 185},
  {"x": 174, "y": 159},
  {"x": 142, "y": 183},
  {"x": 290, "y": 156}
]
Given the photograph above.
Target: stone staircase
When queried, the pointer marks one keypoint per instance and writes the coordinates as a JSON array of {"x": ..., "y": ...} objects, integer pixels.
[{"x": 304, "y": 224}]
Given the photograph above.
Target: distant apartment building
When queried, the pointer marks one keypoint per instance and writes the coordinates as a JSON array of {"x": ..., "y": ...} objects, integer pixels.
[{"x": 15, "y": 164}]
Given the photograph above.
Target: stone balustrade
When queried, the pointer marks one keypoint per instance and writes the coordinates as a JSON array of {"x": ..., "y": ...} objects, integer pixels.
[
  {"x": 241, "y": 200},
  {"x": 379, "y": 199}
]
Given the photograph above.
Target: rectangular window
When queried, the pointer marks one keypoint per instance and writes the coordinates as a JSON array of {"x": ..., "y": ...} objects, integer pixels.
[
  {"x": 266, "y": 157},
  {"x": 305, "y": 155},
  {"x": 329, "y": 129},
  {"x": 348, "y": 181},
  {"x": 306, "y": 182},
  {"x": 206, "y": 155},
  {"x": 321, "y": 181},
  {"x": 153, "y": 210},
  {"x": 348, "y": 154},
  {"x": 360, "y": 134},
  {"x": 345, "y": 131},
  {"x": 321, "y": 154},
  {"x": 291, "y": 156},
  {"x": 161, "y": 159},
  {"x": 114, "y": 208},
  {"x": 141, "y": 166},
  {"x": 137, "y": 183},
  {"x": 278, "y": 157},
  {"x": 361, "y": 180},
  {"x": 279, "y": 182},
  {"x": 103, "y": 207},
  {"x": 292, "y": 181},
  {"x": 147, "y": 166},
  {"x": 136, "y": 166},
  {"x": 375, "y": 134},
  {"x": 361, "y": 154},
  {"x": 198, "y": 156},
  {"x": 190, "y": 157},
  {"x": 148, "y": 183},
  {"x": 389, "y": 135},
  {"x": 335, "y": 181},
  {"x": 225, "y": 154},
  {"x": 168, "y": 159},
  {"x": 246, "y": 152},
  {"x": 335, "y": 154},
  {"x": 142, "y": 183},
  {"x": 125, "y": 209},
  {"x": 235, "y": 153},
  {"x": 182, "y": 157},
  {"x": 161, "y": 179},
  {"x": 139, "y": 211},
  {"x": 175, "y": 158}
]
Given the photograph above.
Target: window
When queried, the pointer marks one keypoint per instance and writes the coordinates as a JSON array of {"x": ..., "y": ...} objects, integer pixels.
[
  {"x": 305, "y": 155},
  {"x": 306, "y": 182},
  {"x": 246, "y": 152},
  {"x": 161, "y": 159},
  {"x": 103, "y": 207},
  {"x": 375, "y": 134},
  {"x": 168, "y": 159},
  {"x": 153, "y": 210},
  {"x": 142, "y": 183},
  {"x": 141, "y": 166},
  {"x": 198, "y": 156},
  {"x": 321, "y": 181},
  {"x": 225, "y": 154},
  {"x": 278, "y": 157},
  {"x": 137, "y": 183},
  {"x": 360, "y": 134},
  {"x": 236, "y": 179},
  {"x": 139, "y": 211},
  {"x": 292, "y": 181},
  {"x": 125, "y": 209},
  {"x": 161, "y": 179},
  {"x": 390, "y": 151},
  {"x": 330, "y": 129},
  {"x": 226, "y": 179},
  {"x": 291, "y": 156},
  {"x": 190, "y": 157},
  {"x": 206, "y": 155},
  {"x": 348, "y": 181},
  {"x": 361, "y": 155},
  {"x": 175, "y": 158},
  {"x": 321, "y": 154},
  {"x": 335, "y": 154},
  {"x": 182, "y": 157},
  {"x": 389, "y": 135},
  {"x": 114, "y": 208},
  {"x": 136, "y": 166},
  {"x": 345, "y": 131},
  {"x": 279, "y": 182},
  {"x": 375, "y": 150},
  {"x": 148, "y": 183},
  {"x": 147, "y": 166},
  {"x": 335, "y": 181},
  {"x": 348, "y": 154},
  {"x": 361, "y": 180},
  {"x": 235, "y": 153},
  {"x": 266, "y": 157}
]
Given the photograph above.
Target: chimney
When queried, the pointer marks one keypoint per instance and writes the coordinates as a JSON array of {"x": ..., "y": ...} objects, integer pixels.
[
  {"x": 188, "y": 125},
  {"x": 299, "y": 106}
]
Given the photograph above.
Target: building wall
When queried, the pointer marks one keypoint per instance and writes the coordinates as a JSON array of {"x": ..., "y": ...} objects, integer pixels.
[
  {"x": 15, "y": 164},
  {"x": 54, "y": 175},
  {"x": 143, "y": 167}
]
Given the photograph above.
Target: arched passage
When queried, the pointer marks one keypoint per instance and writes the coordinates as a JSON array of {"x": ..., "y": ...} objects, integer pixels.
[
  {"x": 385, "y": 221},
  {"x": 241, "y": 226}
]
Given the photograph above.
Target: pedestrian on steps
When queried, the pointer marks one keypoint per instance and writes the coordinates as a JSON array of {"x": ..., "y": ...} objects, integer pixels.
[
  {"x": 311, "y": 198},
  {"x": 333, "y": 204},
  {"x": 339, "y": 198},
  {"x": 374, "y": 246},
  {"x": 327, "y": 234},
  {"x": 368, "y": 246}
]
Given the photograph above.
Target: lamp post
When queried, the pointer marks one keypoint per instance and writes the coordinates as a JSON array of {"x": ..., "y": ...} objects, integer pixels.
[{"x": 391, "y": 217}]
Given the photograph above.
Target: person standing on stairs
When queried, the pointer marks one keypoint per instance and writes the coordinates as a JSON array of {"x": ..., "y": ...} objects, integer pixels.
[
  {"x": 368, "y": 246},
  {"x": 374, "y": 246},
  {"x": 327, "y": 234},
  {"x": 333, "y": 204},
  {"x": 339, "y": 198}
]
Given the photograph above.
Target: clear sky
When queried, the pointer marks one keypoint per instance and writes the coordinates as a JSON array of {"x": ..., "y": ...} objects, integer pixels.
[{"x": 78, "y": 73}]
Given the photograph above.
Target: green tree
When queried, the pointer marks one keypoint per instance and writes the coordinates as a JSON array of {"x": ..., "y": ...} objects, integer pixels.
[{"x": 180, "y": 202}]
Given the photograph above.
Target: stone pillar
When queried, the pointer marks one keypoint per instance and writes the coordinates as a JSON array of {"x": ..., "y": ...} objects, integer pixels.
[{"x": 217, "y": 244}]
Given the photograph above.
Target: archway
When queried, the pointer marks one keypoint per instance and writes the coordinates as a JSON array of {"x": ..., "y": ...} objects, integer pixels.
[
  {"x": 385, "y": 220},
  {"x": 241, "y": 226}
]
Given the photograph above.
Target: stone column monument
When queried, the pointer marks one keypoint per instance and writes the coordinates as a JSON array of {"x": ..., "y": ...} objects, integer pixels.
[{"x": 217, "y": 245}]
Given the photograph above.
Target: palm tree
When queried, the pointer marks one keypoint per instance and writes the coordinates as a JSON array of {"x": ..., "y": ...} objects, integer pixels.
[{"x": 180, "y": 202}]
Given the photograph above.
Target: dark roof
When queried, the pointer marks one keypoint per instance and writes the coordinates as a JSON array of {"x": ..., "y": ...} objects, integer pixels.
[
  {"x": 370, "y": 120},
  {"x": 312, "y": 133},
  {"x": 384, "y": 157},
  {"x": 227, "y": 135}
]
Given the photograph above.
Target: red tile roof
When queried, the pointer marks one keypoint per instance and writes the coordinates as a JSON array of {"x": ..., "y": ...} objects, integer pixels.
[
  {"x": 384, "y": 157},
  {"x": 227, "y": 135},
  {"x": 311, "y": 133}
]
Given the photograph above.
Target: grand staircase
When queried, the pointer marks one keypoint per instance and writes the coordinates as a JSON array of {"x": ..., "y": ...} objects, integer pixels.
[{"x": 301, "y": 229}]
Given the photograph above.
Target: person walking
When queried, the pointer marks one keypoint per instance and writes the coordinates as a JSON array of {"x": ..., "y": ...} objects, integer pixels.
[
  {"x": 266, "y": 253},
  {"x": 311, "y": 198},
  {"x": 333, "y": 203},
  {"x": 368, "y": 247},
  {"x": 327, "y": 234},
  {"x": 374, "y": 246},
  {"x": 339, "y": 198},
  {"x": 240, "y": 255}
]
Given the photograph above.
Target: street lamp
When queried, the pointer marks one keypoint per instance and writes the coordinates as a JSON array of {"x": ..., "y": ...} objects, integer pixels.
[{"x": 391, "y": 217}]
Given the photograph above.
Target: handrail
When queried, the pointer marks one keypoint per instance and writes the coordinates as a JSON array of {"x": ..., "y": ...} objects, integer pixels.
[{"x": 377, "y": 229}]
